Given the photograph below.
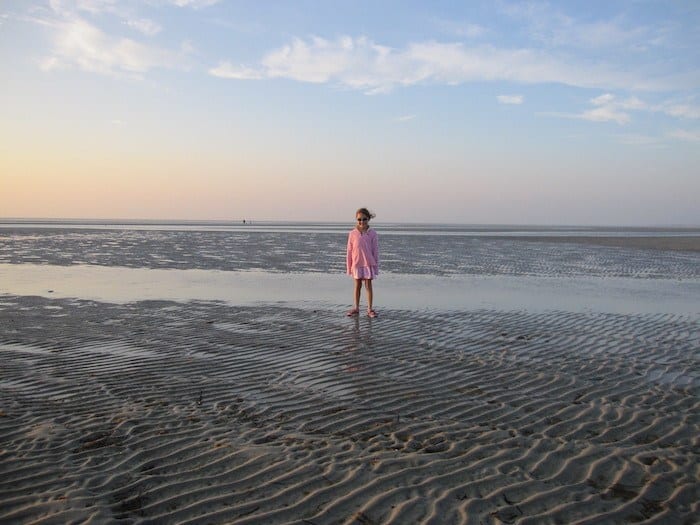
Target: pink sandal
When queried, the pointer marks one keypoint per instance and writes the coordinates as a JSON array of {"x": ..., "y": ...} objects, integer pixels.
[
  {"x": 371, "y": 313},
  {"x": 353, "y": 312}
]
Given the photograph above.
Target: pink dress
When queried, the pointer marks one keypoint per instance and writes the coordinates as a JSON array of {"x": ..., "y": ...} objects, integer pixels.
[{"x": 363, "y": 254}]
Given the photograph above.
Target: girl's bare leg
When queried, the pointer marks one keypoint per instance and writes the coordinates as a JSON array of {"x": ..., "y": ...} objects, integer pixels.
[
  {"x": 368, "y": 286},
  {"x": 357, "y": 291}
]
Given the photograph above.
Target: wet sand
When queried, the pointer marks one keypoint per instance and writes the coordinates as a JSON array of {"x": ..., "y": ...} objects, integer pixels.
[
  {"x": 678, "y": 243},
  {"x": 200, "y": 412},
  {"x": 435, "y": 252},
  {"x": 211, "y": 377}
]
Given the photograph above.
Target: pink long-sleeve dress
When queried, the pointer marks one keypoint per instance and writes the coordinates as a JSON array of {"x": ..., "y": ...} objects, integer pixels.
[{"x": 363, "y": 254}]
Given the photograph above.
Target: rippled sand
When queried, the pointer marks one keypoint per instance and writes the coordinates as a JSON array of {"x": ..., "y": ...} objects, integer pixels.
[
  {"x": 556, "y": 382},
  {"x": 165, "y": 412}
]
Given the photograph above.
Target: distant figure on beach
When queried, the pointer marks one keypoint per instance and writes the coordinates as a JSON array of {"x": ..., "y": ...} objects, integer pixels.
[{"x": 363, "y": 259}]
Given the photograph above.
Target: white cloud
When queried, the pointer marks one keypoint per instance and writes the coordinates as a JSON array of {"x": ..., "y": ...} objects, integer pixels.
[
  {"x": 356, "y": 63},
  {"x": 359, "y": 63},
  {"x": 405, "y": 118},
  {"x": 194, "y": 4},
  {"x": 226, "y": 70},
  {"x": 609, "y": 109},
  {"x": 510, "y": 99},
  {"x": 79, "y": 44},
  {"x": 606, "y": 114},
  {"x": 685, "y": 135},
  {"x": 145, "y": 26},
  {"x": 603, "y": 100},
  {"x": 610, "y": 100}
]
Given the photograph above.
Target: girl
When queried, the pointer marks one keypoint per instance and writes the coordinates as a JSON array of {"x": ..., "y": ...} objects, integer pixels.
[{"x": 363, "y": 259}]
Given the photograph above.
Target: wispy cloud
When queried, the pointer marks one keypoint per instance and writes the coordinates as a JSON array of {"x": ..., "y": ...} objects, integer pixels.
[
  {"x": 79, "y": 44},
  {"x": 74, "y": 9},
  {"x": 227, "y": 70},
  {"x": 605, "y": 114},
  {"x": 103, "y": 6},
  {"x": 607, "y": 108},
  {"x": 639, "y": 140},
  {"x": 360, "y": 63},
  {"x": 91, "y": 6},
  {"x": 610, "y": 108},
  {"x": 685, "y": 135},
  {"x": 510, "y": 99},
  {"x": 460, "y": 29},
  {"x": 681, "y": 110},
  {"x": 145, "y": 26},
  {"x": 195, "y": 4},
  {"x": 405, "y": 118},
  {"x": 550, "y": 26}
]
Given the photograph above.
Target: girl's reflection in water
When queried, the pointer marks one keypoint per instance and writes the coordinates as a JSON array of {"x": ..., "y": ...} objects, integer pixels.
[{"x": 359, "y": 342}]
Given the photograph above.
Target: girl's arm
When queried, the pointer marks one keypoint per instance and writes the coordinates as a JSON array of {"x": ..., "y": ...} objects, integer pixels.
[
  {"x": 375, "y": 248},
  {"x": 348, "y": 257}
]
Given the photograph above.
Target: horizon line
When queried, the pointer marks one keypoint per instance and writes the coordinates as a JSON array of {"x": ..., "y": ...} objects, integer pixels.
[{"x": 268, "y": 221}]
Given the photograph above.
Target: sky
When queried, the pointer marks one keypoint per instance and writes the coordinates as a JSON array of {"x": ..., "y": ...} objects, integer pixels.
[{"x": 494, "y": 112}]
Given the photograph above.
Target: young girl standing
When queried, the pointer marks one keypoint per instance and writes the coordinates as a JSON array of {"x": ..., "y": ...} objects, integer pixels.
[{"x": 363, "y": 259}]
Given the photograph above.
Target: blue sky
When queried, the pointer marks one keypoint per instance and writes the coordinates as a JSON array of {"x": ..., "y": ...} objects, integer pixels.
[{"x": 473, "y": 112}]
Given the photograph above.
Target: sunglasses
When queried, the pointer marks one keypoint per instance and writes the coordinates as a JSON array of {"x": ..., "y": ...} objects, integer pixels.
[{"x": 363, "y": 219}]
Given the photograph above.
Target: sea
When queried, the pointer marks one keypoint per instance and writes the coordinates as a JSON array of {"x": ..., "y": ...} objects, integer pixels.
[{"x": 422, "y": 266}]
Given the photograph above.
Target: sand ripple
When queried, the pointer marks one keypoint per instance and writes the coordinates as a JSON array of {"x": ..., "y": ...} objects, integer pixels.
[{"x": 201, "y": 413}]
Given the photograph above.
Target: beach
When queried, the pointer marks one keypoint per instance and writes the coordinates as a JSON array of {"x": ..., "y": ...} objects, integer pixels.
[{"x": 537, "y": 377}]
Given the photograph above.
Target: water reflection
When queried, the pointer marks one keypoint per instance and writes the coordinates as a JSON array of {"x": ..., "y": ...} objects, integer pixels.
[
  {"x": 359, "y": 342},
  {"x": 398, "y": 291}
]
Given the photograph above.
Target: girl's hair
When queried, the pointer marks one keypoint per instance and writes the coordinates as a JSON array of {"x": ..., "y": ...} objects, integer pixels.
[{"x": 365, "y": 212}]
